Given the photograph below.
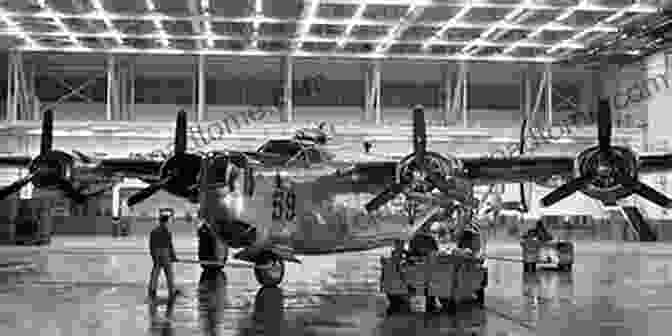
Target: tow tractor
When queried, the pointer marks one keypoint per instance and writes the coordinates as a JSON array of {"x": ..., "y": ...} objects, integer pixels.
[
  {"x": 453, "y": 276},
  {"x": 559, "y": 253}
]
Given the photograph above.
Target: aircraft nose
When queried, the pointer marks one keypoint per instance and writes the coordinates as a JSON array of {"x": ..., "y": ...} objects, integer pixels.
[{"x": 238, "y": 233}]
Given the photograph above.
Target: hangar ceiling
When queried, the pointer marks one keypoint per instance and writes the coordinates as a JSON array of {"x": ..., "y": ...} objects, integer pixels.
[{"x": 479, "y": 30}]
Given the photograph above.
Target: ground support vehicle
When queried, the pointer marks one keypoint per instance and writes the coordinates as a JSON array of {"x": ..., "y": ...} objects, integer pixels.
[
  {"x": 453, "y": 279},
  {"x": 547, "y": 253}
]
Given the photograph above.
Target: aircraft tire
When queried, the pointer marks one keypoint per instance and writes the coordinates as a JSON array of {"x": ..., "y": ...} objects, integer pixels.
[
  {"x": 480, "y": 297},
  {"x": 529, "y": 267},
  {"x": 209, "y": 249},
  {"x": 269, "y": 271},
  {"x": 448, "y": 305},
  {"x": 565, "y": 267},
  {"x": 398, "y": 304}
]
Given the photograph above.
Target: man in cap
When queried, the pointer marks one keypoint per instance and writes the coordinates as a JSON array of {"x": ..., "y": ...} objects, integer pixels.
[{"x": 163, "y": 254}]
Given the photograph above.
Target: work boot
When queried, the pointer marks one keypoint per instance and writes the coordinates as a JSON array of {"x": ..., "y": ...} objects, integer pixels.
[
  {"x": 175, "y": 293},
  {"x": 151, "y": 296},
  {"x": 430, "y": 305},
  {"x": 449, "y": 306}
]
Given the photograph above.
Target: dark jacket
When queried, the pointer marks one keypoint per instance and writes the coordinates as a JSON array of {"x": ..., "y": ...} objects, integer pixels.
[{"x": 161, "y": 245}]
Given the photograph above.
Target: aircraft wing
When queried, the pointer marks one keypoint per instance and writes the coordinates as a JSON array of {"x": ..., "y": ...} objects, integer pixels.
[
  {"x": 655, "y": 162},
  {"x": 127, "y": 167},
  {"x": 15, "y": 160},
  {"x": 489, "y": 170}
]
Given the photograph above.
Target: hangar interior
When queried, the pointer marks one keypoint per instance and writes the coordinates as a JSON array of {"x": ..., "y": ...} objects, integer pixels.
[{"x": 115, "y": 73}]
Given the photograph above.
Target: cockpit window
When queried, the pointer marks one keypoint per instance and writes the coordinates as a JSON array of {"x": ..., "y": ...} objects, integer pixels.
[{"x": 282, "y": 147}]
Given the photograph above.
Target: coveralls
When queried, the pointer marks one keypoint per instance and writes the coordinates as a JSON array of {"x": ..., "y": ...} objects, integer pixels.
[
  {"x": 540, "y": 232},
  {"x": 163, "y": 254},
  {"x": 423, "y": 244}
]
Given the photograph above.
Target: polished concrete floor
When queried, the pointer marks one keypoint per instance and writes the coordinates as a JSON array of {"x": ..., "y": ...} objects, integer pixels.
[{"x": 97, "y": 286}]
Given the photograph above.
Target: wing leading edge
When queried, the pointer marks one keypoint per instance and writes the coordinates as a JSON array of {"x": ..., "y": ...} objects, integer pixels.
[
  {"x": 15, "y": 161},
  {"x": 489, "y": 170}
]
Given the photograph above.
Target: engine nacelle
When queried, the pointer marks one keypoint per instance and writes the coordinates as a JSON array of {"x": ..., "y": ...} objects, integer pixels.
[
  {"x": 605, "y": 167},
  {"x": 51, "y": 167},
  {"x": 444, "y": 166},
  {"x": 186, "y": 167}
]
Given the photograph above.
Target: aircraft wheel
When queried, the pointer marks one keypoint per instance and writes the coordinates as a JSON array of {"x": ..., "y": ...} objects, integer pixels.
[
  {"x": 480, "y": 296},
  {"x": 448, "y": 305},
  {"x": 529, "y": 267},
  {"x": 269, "y": 271},
  {"x": 565, "y": 267},
  {"x": 398, "y": 304},
  {"x": 210, "y": 249}
]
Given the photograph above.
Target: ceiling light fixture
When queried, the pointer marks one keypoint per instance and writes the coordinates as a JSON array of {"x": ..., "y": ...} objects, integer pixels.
[
  {"x": 359, "y": 13},
  {"x": 447, "y": 25},
  {"x": 412, "y": 14},
  {"x": 163, "y": 37},
  {"x": 256, "y": 23},
  {"x": 308, "y": 19},
  {"x": 100, "y": 12}
]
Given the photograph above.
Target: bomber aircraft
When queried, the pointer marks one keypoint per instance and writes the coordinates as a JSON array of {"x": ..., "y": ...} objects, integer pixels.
[
  {"x": 274, "y": 215},
  {"x": 275, "y": 218}
]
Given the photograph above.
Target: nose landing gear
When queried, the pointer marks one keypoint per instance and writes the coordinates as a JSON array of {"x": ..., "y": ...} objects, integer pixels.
[{"x": 269, "y": 270}]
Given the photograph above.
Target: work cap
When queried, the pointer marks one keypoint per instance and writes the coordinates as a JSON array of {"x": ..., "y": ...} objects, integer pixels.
[{"x": 166, "y": 213}]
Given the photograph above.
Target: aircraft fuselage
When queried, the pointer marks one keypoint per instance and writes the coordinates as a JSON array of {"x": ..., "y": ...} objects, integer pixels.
[{"x": 304, "y": 209}]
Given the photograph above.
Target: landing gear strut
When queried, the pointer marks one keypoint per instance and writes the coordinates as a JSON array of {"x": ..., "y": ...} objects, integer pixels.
[
  {"x": 211, "y": 249},
  {"x": 269, "y": 270}
]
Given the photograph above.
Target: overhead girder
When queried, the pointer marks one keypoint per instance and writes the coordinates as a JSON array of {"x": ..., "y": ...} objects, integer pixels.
[
  {"x": 22, "y": 101},
  {"x": 372, "y": 92},
  {"x": 287, "y": 89}
]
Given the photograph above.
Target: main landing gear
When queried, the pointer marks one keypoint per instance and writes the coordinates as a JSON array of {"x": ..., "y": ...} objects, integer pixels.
[
  {"x": 211, "y": 249},
  {"x": 269, "y": 270}
]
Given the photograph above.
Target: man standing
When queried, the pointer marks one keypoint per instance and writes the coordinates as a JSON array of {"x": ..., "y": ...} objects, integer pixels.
[{"x": 163, "y": 254}]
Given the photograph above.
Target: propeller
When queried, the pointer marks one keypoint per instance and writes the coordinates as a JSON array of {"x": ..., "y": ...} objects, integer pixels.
[
  {"x": 607, "y": 168},
  {"x": 16, "y": 186},
  {"x": 419, "y": 169},
  {"x": 521, "y": 151},
  {"x": 49, "y": 169},
  {"x": 148, "y": 191},
  {"x": 179, "y": 172}
]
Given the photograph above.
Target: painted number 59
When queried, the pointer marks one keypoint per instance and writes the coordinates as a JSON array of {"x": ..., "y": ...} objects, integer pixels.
[{"x": 284, "y": 205}]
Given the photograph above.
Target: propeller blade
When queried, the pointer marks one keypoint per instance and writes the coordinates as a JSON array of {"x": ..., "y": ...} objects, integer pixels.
[
  {"x": 645, "y": 191},
  {"x": 70, "y": 191},
  {"x": 451, "y": 189},
  {"x": 604, "y": 124},
  {"x": 419, "y": 135},
  {"x": 83, "y": 157},
  {"x": 387, "y": 195},
  {"x": 181, "y": 133},
  {"x": 47, "y": 140},
  {"x": 523, "y": 200},
  {"x": 522, "y": 144},
  {"x": 148, "y": 191},
  {"x": 565, "y": 190},
  {"x": 16, "y": 186}
]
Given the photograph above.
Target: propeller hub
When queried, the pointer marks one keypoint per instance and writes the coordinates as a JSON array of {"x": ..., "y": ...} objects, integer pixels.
[
  {"x": 184, "y": 167},
  {"x": 606, "y": 167},
  {"x": 50, "y": 167},
  {"x": 433, "y": 163}
]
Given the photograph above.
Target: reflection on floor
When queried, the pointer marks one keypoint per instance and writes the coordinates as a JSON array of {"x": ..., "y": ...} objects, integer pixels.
[{"x": 89, "y": 286}]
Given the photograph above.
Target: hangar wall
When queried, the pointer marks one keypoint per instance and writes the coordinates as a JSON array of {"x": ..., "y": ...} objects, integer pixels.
[
  {"x": 165, "y": 83},
  {"x": 642, "y": 92}
]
